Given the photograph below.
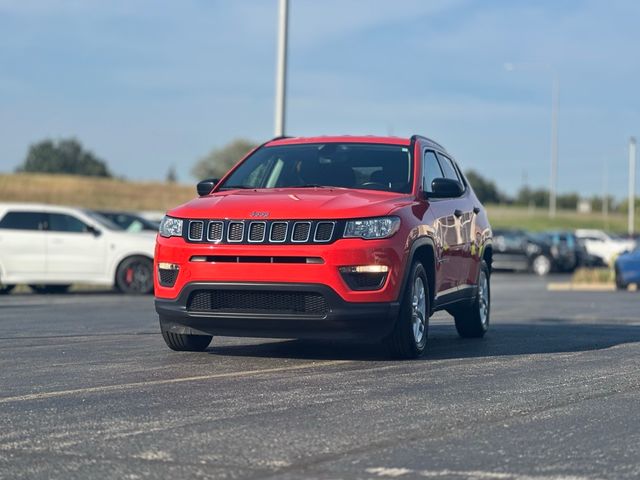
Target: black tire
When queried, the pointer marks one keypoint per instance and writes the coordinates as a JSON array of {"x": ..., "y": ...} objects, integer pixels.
[
  {"x": 473, "y": 321},
  {"x": 186, "y": 343},
  {"x": 409, "y": 336},
  {"x": 45, "y": 289},
  {"x": 134, "y": 275},
  {"x": 620, "y": 285},
  {"x": 5, "y": 289}
]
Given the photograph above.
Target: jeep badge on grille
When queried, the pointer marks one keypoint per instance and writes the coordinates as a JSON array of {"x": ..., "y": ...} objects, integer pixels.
[{"x": 259, "y": 214}]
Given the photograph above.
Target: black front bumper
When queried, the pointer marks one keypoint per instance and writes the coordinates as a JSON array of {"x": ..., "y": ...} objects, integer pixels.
[{"x": 342, "y": 320}]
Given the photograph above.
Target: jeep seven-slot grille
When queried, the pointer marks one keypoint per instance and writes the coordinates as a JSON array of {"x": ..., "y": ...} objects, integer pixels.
[
  {"x": 257, "y": 302},
  {"x": 263, "y": 231}
]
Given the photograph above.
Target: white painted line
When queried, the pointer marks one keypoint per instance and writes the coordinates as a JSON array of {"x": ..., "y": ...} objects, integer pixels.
[
  {"x": 169, "y": 381},
  {"x": 468, "y": 474}
]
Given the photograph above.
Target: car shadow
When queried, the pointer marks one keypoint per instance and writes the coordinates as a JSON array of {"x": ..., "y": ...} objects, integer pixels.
[{"x": 504, "y": 339}]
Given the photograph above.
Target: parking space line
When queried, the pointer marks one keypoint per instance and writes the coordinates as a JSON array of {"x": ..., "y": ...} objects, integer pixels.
[{"x": 169, "y": 381}]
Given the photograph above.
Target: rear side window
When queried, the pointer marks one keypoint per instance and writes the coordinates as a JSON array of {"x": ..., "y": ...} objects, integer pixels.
[
  {"x": 23, "y": 221},
  {"x": 430, "y": 170},
  {"x": 59, "y": 222},
  {"x": 448, "y": 168}
]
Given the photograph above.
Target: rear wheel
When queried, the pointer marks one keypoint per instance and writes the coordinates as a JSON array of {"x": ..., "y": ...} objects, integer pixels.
[
  {"x": 409, "y": 336},
  {"x": 473, "y": 321},
  {"x": 4, "y": 289},
  {"x": 135, "y": 276},
  {"x": 50, "y": 288},
  {"x": 186, "y": 343}
]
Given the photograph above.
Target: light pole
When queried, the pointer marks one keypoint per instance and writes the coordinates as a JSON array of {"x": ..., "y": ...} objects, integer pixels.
[
  {"x": 281, "y": 72},
  {"x": 555, "y": 96},
  {"x": 632, "y": 185}
]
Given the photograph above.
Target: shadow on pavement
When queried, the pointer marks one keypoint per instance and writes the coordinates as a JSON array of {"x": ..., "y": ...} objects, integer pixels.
[{"x": 561, "y": 336}]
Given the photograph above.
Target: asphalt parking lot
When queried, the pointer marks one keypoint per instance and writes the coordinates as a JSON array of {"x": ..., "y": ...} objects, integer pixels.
[{"x": 89, "y": 390}]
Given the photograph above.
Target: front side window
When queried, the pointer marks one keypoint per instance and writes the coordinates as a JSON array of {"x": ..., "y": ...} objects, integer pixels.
[
  {"x": 59, "y": 222},
  {"x": 343, "y": 165},
  {"x": 448, "y": 168},
  {"x": 23, "y": 221},
  {"x": 430, "y": 170}
]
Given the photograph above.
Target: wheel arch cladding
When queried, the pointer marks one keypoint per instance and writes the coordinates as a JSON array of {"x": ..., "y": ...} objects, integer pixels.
[
  {"x": 425, "y": 254},
  {"x": 487, "y": 256}
]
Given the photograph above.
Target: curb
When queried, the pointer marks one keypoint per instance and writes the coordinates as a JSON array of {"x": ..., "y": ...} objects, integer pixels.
[{"x": 580, "y": 287}]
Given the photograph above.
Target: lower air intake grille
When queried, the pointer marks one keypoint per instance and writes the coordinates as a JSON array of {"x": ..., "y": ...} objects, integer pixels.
[
  {"x": 167, "y": 277},
  {"x": 257, "y": 301}
]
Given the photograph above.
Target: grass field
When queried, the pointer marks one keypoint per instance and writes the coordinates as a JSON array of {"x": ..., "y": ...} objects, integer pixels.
[{"x": 125, "y": 195}]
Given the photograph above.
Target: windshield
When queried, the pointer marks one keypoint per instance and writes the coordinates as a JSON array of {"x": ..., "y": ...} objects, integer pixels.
[
  {"x": 342, "y": 165},
  {"x": 102, "y": 220}
]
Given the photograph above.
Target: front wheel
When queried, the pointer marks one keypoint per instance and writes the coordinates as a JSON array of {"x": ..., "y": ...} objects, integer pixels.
[
  {"x": 135, "y": 276},
  {"x": 473, "y": 321},
  {"x": 541, "y": 265},
  {"x": 409, "y": 336},
  {"x": 4, "y": 289},
  {"x": 186, "y": 343}
]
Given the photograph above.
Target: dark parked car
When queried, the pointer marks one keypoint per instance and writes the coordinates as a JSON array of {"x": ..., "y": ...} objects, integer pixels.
[
  {"x": 539, "y": 253},
  {"x": 130, "y": 221},
  {"x": 627, "y": 269}
]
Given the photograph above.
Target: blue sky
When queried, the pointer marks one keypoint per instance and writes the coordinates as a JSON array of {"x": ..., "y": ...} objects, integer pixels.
[{"x": 146, "y": 84}]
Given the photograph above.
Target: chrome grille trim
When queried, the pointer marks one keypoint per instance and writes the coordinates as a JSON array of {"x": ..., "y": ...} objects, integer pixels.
[
  {"x": 286, "y": 231},
  {"x": 264, "y": 231},
  {"x": 214, "y": 223},
  {"x": 230, "y": 229},
  {"x": 193, "y": 223},
  {"x": 293, "y": 232},
  {"x": 315, "y": 234}
]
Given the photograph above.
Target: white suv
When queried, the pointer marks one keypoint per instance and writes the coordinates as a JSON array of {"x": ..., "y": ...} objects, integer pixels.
[
  {"x": 599, "y": 244},
  {"x": 49, "y": 248}
]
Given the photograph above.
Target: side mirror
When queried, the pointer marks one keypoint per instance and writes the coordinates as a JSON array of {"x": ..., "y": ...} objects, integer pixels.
[
  {"x": 445, "y": 188},
  {"x": 205, "y": 186},
  {"x": 93, "y": 231}
]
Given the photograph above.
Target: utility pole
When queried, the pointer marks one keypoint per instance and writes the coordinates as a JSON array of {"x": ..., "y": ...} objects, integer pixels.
[
  {"x": 555, "y": 93},
  {"x": 281, "y": 72},
  {"x": 605, "y": 196},
  {"x": 632, "y": 185}
]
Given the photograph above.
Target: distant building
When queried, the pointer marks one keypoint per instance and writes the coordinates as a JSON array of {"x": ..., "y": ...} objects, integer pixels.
[{"x": 584, "y": 206}]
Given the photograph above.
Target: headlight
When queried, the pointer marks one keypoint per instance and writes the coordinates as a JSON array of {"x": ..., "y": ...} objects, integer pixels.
[
  {"x": 369, "y": 228},
  {"x": 171, "y": 227}
]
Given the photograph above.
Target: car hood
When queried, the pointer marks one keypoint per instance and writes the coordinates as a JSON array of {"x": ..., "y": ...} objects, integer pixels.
[{"x": 290, "y": 203}]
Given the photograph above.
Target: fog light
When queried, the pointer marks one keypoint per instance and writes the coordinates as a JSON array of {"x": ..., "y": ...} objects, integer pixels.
[
  {"x": 167, "y": 273},
  {"x": 365, "y": 277}
]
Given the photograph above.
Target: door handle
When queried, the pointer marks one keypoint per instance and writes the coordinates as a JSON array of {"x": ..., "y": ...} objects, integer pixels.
[
  {"x": 457, "y": 212},
  {"x": 476, "y": 210}
]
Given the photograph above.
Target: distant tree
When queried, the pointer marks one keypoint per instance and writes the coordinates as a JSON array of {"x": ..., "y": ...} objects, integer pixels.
[
  {"x": 538, "y": 198},
  {"x": 172, "y": 176},
  {"x": 568, "y": 201},
  {"x": 64, "y": 156},
  {"x": 220, "y": 160},
  {"x": 485, "y": 189}
]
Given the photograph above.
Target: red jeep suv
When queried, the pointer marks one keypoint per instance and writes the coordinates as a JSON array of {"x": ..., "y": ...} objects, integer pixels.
[{"x": 358, "y": 238}]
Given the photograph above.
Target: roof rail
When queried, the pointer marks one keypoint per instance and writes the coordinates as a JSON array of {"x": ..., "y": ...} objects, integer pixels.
[{"x": 428, "y": 140}]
